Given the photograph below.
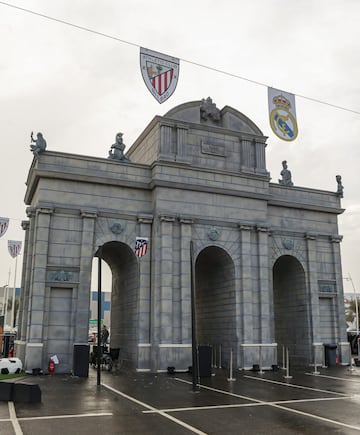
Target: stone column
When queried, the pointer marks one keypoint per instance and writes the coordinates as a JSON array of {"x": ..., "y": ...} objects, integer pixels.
[
  {"x": 24, "y": 298},
  {"x": 165, "y": 294},
  {"x": 81, "y": 313},
  {"x": 166, "y": 150},
  {"x": 185, "y": 279},
  {"x": 181, "y": 133},
  {"x": 37, "y": 293},
  {"x": 246, "y": 312},
  {"x": 343, "y": 345},
  {"x": 144, "y": 308},
  {"x": 313, "y": 295},
  {"x": 260, "y": 157},
  {"x": 245, "y": 147},
  {"x": 166, "y": 278},
  {"x": 264, "y": 288},
  {"x": 246, "y": 283}
]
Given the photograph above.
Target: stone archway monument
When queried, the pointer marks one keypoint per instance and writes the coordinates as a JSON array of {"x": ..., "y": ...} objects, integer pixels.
[{"x": 196, "y": 174}]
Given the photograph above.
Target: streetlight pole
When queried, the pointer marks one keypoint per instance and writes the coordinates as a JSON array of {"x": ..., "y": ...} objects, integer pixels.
[
  {"x": 356, "y": 302},
  {"x": 5, "y": 297}
]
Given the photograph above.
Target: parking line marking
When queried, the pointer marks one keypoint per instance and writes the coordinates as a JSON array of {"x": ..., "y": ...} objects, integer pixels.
[
  {"x": 222, "y": 391},
  {"x": 334, "y": 377},
  {"x": 163, "y": 414},
  {"x": 285, "y": 384},
  {"x": 244, "y": 405},
  {"x": 54, "y": 417},
  {"x": 284, "y": 408},
  {"x": 13, "y": 419},
  {"x": 317, "y": 417}
]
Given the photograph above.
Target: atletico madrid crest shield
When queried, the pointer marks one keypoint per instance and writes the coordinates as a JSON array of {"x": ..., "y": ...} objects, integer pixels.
[{"x": 160, "y": 73}]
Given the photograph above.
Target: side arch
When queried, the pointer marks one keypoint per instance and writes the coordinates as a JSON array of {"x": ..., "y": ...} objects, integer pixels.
[
  {"x": 124, "y": 298},
  {"x": 291, "y": 309},
  {"x": 215, "y": 299}
]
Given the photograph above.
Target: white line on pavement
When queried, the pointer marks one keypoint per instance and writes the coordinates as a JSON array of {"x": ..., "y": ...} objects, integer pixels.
[
  {"x": 163, "y": 414},
  {"x": 285, "y": 384},
  {"x": 355, "y": 381},
  {"x": 284, "y": 408},
  {"x": 55, "y": 417},
  {"x": 14, "y": 420},
  {"x": 244, "y": 405}
]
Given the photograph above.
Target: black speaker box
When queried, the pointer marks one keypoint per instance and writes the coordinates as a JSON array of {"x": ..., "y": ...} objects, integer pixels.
[{"x": 26, "y": 393}]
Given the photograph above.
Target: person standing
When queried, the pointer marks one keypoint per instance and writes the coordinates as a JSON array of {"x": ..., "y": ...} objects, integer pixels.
[{"x": 104, "y": 336}]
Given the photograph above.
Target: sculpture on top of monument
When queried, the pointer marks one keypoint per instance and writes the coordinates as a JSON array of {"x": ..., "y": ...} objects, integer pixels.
[
  {"x": 340, "y": 188},
  {"x": 286, "y": 175},
  {"x": 38, "y": 145},
  {"x": 208, "y": 110},
  {"x": 117, "y": 149}
]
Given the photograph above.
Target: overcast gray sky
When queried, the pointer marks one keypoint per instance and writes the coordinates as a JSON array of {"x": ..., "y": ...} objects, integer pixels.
[{"x": 79, "y": 89}]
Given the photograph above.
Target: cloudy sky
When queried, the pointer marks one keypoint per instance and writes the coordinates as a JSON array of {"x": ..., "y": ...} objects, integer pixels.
[{"x": 80, "y": 88}]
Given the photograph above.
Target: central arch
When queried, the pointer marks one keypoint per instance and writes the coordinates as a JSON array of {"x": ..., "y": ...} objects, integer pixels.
[
  {"x": 215, "y": 300},
  {"x": 291, "y": 306},
  {"x": 124, "y": 298}
]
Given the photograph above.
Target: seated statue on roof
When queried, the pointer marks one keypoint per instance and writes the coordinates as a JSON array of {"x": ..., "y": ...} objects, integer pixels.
[
  {"x": 117, "y": 149},
  {"x": 286, "y": 175},
  {"x": 40, "y": 144}
]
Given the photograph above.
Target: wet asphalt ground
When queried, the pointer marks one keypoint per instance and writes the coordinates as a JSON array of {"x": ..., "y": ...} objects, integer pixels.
[{"x": 144, "y": 403}]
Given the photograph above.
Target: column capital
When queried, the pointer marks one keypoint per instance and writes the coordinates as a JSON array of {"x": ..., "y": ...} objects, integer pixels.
[
  {"x": 262, "y": 229},
  {"x": 336, "y": 238},
  {"x": 166, "y": 218},
  {"x": 25, "y": 225},
  {"x": 185, "y": 220},
  {"x": 310, "y": 236},
  {"x": 88, "y": 214},
  {"x": 30, "y": 211},
  {"x": 45, "y": 210},
  {"x": 245, "y": 227},
  {"x": 145, "y": 218}
]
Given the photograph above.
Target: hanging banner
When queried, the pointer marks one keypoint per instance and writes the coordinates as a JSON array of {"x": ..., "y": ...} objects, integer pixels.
[
  {"x": 160, "y": 73},
  {"x": 14, "y": 248},
  {"x": 282, "y": 114},
  {"x": 4, "y": 224},
  {"x": 141, "y": 246}
]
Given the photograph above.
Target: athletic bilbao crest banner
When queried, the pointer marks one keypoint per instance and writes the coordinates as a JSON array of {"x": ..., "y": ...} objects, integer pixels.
[
  {"x": 14, "y": 248},
  {"x": 4, "y": 224},
  {"x": 282, "y": 114},
  {"x": 160, "y": 73}
]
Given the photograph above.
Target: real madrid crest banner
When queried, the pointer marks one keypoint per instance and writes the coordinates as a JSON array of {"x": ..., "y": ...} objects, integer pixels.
[
  {"x": 4, "y": 223},
  {"x": 14, "y": 247},
  {"x": 282, "y": 114},
  {"x": 160, "y": 73}
]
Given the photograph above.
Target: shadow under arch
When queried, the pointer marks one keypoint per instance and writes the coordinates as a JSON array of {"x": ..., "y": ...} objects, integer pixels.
[
  {"x": 124, "y": 298},
  {"x": 291, "y": 309},
  {"x": 215, "y": 300}
]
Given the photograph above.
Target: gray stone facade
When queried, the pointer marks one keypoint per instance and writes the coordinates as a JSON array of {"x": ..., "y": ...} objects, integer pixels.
[{"x": 267, "y": 256}]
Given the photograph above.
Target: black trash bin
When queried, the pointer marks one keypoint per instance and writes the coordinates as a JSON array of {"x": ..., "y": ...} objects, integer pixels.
[
  {"x": 204, "y": 361},
  {"x": 81, "y": 360},
  {"x": 330, "y": 354}
]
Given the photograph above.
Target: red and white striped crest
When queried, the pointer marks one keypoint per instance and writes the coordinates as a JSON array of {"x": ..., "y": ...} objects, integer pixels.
[
  {"x": 14, "y": 247},
  {"x": 4, "y": 224},
  {"x": 141, "y": 246},
  {"x": 160, "y": 73}
]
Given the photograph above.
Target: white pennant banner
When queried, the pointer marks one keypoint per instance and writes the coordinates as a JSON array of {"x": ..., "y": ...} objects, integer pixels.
[
  {"x": 14, "y": 247},
  {"x": 4, "y": 224}
]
